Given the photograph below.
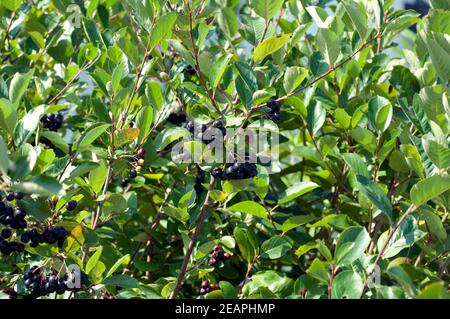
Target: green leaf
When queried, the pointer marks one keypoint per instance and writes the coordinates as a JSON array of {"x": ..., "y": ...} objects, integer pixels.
[
  {"x": 380, "y": 113},
  {"x": 92, "y": 262},
  {"x": 228, "y": 22},
  {"x": 266, "y": 9},
  {"x": 56, "y": 140},
  {"x": 296, "y": 221},
  {"x": 90, "y": 136},
  {"x": 435, "y": 290},
  {"x": 41, "y": 185},
  {"x": 91, "y": 8},
  {"x": 351, "y": 245},
  {"x": 97, "y": 177},
  {"x": 439, "y": 47},
  {"x": 347, "y": 285},
  {"x": 12, "y": 5},
  {"x": 357, "y": 164},
  {"x": 318, "y": 271},
  {"x": 269, "y": 46},
  {"x": 297, "y": 190},
  {"x": 4, "y": 161},
  {"x": 180, "y": 214},
  {"x": 144, "y": 121},
  {"x": 121, "y": 281},
  {"x": 162, "y": 29},
  {"x": 249, "y": 207},
  {"x": 275, "y": 247},
  {"x": 218, "y": 69},
  {"x": 8, "y": 115},
  {"x": 19, "y": 85},
  {"x": 228, "y": 290},
  {"x": 429, "y": 188},
  {"x": 154, "y": 95},
  {"x": 357, "y": 16},
  {"x": 439, "y": 154},
  {"x": 329, "y": 45},
  {"x": 293, "y": 77},
  {"x": 316, "y": 117},
  {"x": 27, "y": 125},
  {"x": 376, "y": 195},
  {"x": 122, "y": 261},
  {"x": 244, "y": 244},
  {"x": 246, "y": 84},
  {"x": 406, "y": 235},
  {"x": 168, "y": 136}
]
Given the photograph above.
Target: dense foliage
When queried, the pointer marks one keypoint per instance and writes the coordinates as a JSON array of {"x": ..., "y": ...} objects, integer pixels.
[{"x": 95, "y": 94}]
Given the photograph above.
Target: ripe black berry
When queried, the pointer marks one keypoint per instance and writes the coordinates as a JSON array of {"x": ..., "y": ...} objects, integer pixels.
[
  {"x": 25, "y": 238},
  {"x": 6, "y": 233},
  {"x": 240, "y": 171},
  {"x": 274, "y": 105},
  {"x": 124, "y": 182},
  {"x": 177, "y": 119},
  {"x": 217, "y": 172},
  {"x": 71, "y": 205},
  {"x": 190, "y": 126},
  {"x": 52, "y": 122},
  {"x": 218, "y": 124},
  {"x": 189, "y": 70},
  {"x": 18, "y": 195},
  {"x": 10, "y": 197},
  {"x": 132, "y": 174}
]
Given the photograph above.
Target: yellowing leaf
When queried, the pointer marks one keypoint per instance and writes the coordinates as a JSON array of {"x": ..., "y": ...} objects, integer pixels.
[
  {"x": 270, "y": 46},
  {"x": 75, "y": 239}
]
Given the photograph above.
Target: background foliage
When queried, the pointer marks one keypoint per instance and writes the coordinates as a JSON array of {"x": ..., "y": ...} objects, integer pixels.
[{"x": 362, "y": 179}]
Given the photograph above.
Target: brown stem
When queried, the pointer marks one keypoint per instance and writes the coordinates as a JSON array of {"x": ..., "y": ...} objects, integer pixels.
[
  {"x": 410, "y": 210},
  {"x": 8, "y": 28},
  {"x": 192, "y": 243},
  {"x": 59, "y": 94},
  {"x": 330, "y": 284},
  {"x": 197, "y": 64},
  {"x": 124, "y": 114}
]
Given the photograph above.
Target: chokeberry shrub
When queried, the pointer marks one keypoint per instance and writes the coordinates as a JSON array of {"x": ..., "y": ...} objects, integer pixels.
[{"x": 352, "y": 201}]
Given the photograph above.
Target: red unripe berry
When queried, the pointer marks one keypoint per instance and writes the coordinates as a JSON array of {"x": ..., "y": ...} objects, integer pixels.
[{"x": 141, "y": 152}]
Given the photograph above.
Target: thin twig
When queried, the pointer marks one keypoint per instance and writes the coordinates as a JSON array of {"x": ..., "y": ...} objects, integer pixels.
[
  {"x": 410, "y": 210},
  {"x": 192, "y": 243},
  {"x": 197, "y": 64}
]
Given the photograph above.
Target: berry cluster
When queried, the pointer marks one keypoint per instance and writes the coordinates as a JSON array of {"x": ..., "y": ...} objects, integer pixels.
[
  {"x": 14, "y": 217},
  {"x": 189, "y": 70},
  {"x": 199, "y": 179},
  {"x": 133, "y": 173},
  {"x": 48, "y": 236},
  {"x": 204, "y": 133},
  {"x": 208, "y": 287},
  {"x": 52, "y": 122},
  {"x": 218, "y": 255},
  {"x": 40, "y": 284},
  {"x": 274, "y": 113},
  {"x": 236, "y": 171},
  {"x": 177, "y": 119}
]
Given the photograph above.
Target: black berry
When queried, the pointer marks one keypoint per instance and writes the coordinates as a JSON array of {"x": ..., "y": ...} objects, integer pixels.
[{"x": 71, "y": 205}]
